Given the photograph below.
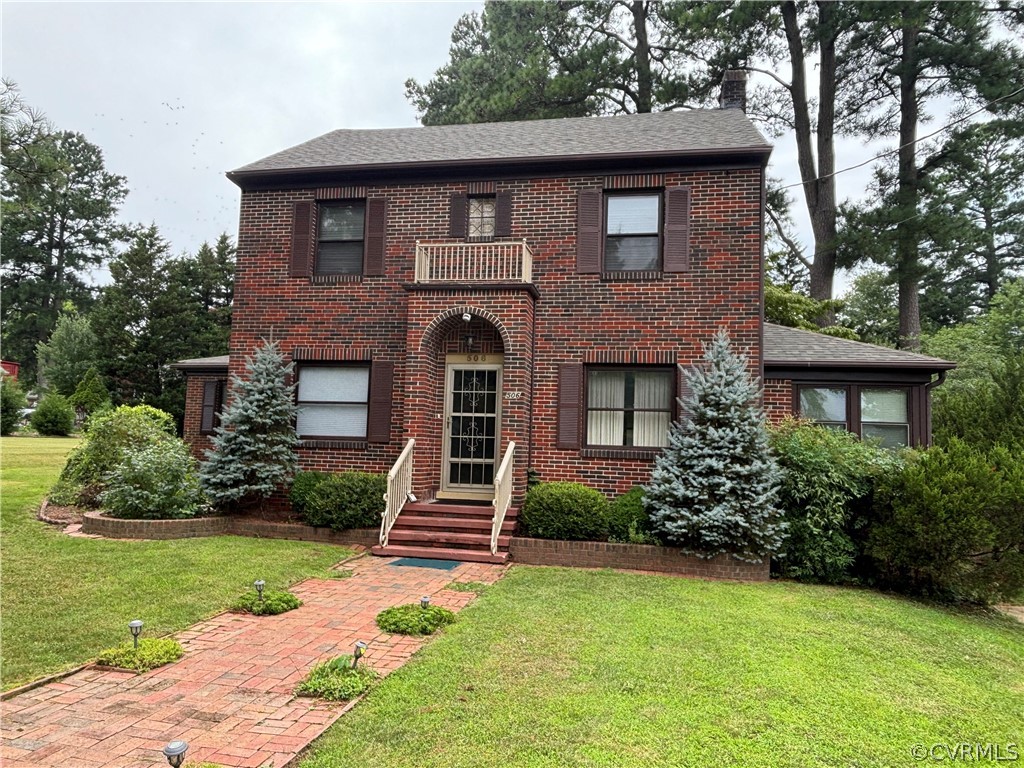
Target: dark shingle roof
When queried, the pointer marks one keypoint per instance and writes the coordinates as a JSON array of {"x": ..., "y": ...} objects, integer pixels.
[
  {"x": 696, "y": 131},
  {"x": 796, "y": 348},
  {"x": 202, "y": 363}
]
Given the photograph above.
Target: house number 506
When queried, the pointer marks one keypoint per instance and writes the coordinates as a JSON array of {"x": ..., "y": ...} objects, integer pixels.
[{"x": 513, "y": 395}]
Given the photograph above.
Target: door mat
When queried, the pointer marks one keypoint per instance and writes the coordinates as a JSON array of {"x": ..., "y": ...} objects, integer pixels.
[{"x": 422, "y": 562}]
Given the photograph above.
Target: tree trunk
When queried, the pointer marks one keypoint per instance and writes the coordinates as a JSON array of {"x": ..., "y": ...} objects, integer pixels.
[
  {"x": 907, "y": 261},
  {"x": 642, "y": 56},
  {"x": 818, "y": 182}
]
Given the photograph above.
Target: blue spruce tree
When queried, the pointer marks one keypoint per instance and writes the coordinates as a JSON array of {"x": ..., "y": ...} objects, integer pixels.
[
  {"x": 254, "y": 448},
  {"x": 713, "y": 490}
]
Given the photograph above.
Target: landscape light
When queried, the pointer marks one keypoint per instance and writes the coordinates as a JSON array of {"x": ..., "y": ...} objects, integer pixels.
[
  {"x": 358, "y": 653},
  {"x": 259, "y": 584},
  {"x": 425, "y": 602},
  {"x": 136, "y": 628},
  {"x": 175, "y": 752}
]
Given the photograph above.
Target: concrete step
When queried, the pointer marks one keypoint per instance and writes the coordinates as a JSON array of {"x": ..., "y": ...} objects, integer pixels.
[
  {"x": 440, "y": 553},
  {"x": 435, "y": 538}
]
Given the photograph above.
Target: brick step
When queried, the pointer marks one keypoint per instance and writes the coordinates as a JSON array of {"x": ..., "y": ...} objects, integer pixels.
[
  {"x": 435, "y": 538},
  {"x": 440, "y": 553},
  {"x": 463, "y": 511},
  {"x": 451, "y": 524}
]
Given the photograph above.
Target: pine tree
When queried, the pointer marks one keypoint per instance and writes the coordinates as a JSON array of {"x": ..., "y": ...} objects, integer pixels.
[
  {"x": 91, "y": 394},
  {"x": 714, "y": 488},
  {"x": 254, "y": 448}
]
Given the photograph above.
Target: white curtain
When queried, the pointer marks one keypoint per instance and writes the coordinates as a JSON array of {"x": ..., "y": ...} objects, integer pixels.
[
  {"x": 606, "y": 389},
  {"x": 652, "y": 390}
]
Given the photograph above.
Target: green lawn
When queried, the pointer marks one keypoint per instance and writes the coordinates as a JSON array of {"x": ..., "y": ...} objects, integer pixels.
[
  {"x": 64, "y": 599},
  {"x": 554, "y": 667}
]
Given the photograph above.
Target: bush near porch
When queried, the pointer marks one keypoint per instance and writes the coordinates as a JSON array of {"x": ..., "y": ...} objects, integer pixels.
[{"x": 340, "y": 501}]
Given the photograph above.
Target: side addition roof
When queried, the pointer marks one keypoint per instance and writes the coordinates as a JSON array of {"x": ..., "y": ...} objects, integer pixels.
[
  {"x": 794, "y": 348},
  {"x": 691, "y": 132},
  {"x": 203, "y": 364}
]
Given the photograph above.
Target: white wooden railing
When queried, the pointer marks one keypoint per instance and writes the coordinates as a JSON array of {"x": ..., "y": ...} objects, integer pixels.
[
  {"x": 448, "y": 262},
  {"x": 399, "y": 490},
  {"x": 502, "y": 494}
]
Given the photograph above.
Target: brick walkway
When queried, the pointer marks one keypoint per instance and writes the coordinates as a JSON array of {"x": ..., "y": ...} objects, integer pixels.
[{"x": 230, "y": 697}]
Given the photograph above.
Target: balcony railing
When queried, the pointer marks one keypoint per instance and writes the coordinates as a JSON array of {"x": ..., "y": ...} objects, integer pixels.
[{"x": 448, "y": 262}]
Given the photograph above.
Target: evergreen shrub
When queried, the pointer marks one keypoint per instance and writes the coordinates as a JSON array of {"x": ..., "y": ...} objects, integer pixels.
[
  {"x": 255, "y": 446},
  {"x": 950, "y": 524},
  {"x": 54, "y": 416},
  {"x": 12, "y": 402},
  {"x": 628, "y": 521},
  {"x": 91, "y": 395},
  {"x": 568, "y": 511},
  {"x": 341, "y": 501},
  {"x": 828, "y": 478},
  {"x": 303, "y": 486},
  {"x": 714, "y": 489},
  {"x": 158, "y": 482}
]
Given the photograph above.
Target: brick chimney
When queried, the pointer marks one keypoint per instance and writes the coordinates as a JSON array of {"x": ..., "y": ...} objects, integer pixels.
[{"x": 734, "y": 90}]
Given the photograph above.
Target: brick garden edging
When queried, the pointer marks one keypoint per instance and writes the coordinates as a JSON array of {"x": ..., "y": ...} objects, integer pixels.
[
  {"x": 642, "y": 557},
  {"x": 98, "y": 524}
]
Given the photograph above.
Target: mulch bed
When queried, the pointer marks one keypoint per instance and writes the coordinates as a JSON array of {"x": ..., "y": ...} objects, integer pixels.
[{"x": 58, "y": 515}]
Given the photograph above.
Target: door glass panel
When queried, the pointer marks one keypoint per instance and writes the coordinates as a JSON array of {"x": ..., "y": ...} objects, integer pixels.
[{"x": 473, "y": 427}]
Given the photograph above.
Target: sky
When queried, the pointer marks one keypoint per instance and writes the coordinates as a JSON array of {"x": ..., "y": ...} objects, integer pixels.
[{"x": 176, "y": 94}]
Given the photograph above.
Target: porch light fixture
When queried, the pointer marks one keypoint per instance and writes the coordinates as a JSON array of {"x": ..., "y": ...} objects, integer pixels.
[
  {"x": 259, "y": 584},
  {"x": 358, "y": 653},
  {"x": 466, "y": 317},
  {"x": 175, "y": 752},
  {"x": 468, "y": 341},
  {"x": 425, "y": 602},
  {"x": 136, "y": 629}
]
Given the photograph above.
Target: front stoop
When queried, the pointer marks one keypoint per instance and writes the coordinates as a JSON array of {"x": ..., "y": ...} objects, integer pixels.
[{"x": 448, "y": 532}]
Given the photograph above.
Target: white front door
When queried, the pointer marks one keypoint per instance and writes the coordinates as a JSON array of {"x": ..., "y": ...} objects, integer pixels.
[{"x": 472, "y": 433}]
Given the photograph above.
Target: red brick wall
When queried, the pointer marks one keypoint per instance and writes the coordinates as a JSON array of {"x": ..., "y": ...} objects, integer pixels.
[
  {"x": 574, "y": 319},
  {"x": 194, "y": 413},
  {"x": 778, "y": 399}
]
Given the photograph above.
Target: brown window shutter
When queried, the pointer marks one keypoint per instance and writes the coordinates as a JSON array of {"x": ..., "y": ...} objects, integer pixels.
[
  {"x": 588, "y": 231},
  {"x": 211, "y": 392},
  {"x": 378, "y": 422},
  {"x": 459, "y": 221},
  {"x": 570, "y": 405},
  {"x": 503, "y": 214},
  {"x": 376, "y": 227},
  {"x": 677, "y": 229},
  {"x": 685, "y": 393},
  {"x": 302, "y": 240}
]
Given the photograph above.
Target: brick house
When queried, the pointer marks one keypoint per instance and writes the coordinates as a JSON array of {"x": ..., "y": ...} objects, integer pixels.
[{"x": 541, "y": 284}]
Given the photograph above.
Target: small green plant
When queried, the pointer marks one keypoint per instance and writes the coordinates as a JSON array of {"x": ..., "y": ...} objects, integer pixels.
[
  {"x": 159, "y": 482},
  {"x": 12, "y": 401},
  {"x": 341, "y": 573},
  {"x": 54, "y": 417},
  {"x": 412, "y": 619},
  {"x": 272, "y": 603},
  {"x": 336, "y": 680},
  {"x": 476, "y": 587},
  {"x": 151, "y": 653},
  {"x": 565, "y": 511}
]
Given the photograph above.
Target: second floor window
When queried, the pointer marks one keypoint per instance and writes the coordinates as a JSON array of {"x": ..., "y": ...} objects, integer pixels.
[
  {"x": 481, "y": 218},
  {"x": 632, "y": 233},
  {"x": 340, "y": 239}
]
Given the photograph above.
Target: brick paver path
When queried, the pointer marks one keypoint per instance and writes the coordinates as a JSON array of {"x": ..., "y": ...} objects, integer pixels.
[{"x": 230, "y": 697}]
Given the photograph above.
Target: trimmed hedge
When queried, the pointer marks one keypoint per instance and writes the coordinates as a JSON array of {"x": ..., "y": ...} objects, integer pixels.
[
  {"x": 628, "y": 521},
  {"x": 569, "y": 511},
  {"x": 54, "y": 416},
  {"x": 339, "y": 501}
]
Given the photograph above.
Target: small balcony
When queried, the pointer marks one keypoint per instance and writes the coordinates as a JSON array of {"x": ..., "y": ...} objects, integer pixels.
[{"x": 460, "y": 262}]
